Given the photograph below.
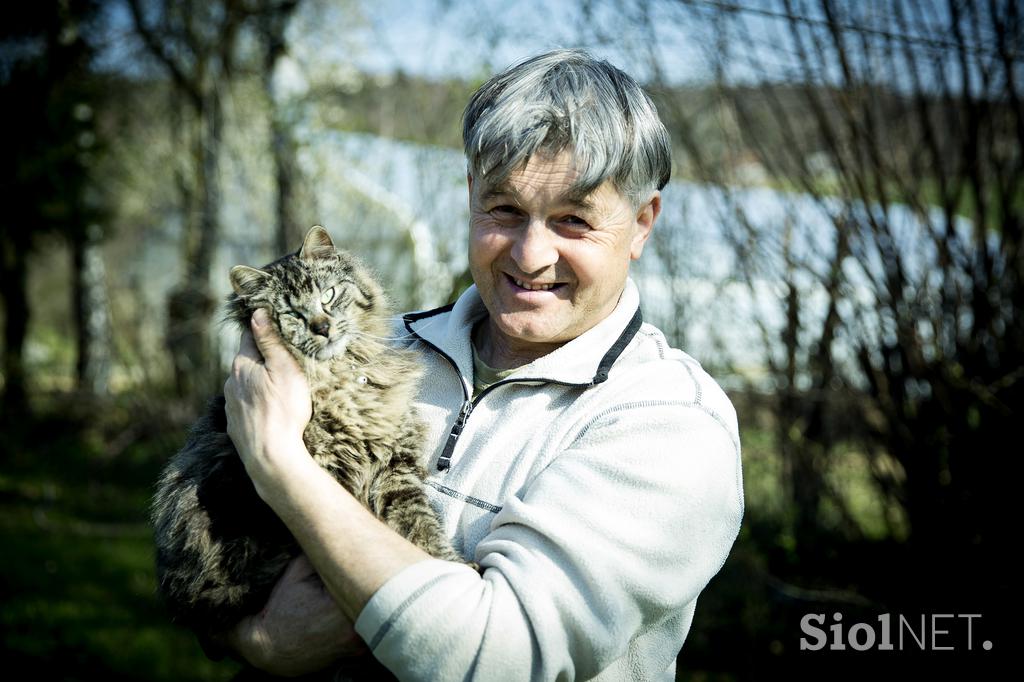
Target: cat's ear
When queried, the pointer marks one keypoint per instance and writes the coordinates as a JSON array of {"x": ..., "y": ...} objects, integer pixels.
[
  {"x": 317, "y": 244},
  {"x": 247, "y": 281}
]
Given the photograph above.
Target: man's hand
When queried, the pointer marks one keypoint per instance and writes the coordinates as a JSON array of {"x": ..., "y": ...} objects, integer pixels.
[
  {"x": 300, "y": 630},
  {"x": 267, "y": 401}
]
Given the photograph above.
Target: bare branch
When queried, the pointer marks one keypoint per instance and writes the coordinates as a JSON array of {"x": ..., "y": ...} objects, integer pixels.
[{"x": 156, "y": 48}]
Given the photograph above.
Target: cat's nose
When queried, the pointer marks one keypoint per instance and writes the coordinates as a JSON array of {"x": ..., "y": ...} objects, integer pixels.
[{"x": 320, "y": 327}]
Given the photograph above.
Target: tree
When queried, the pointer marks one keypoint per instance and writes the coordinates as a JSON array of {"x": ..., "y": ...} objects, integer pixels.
[
  {"x": 271, "y": 30},
  {"x": 48, "y": 96},
  {"x": 902, "y": 130},
  {"x": 195, "y": 42}
]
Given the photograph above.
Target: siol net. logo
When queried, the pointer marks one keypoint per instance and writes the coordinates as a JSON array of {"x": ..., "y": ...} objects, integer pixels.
[{"x": 926, "y": 632}]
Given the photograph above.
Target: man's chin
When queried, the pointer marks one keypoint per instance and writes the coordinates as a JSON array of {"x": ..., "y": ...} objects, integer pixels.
[{"x": 531, "y": 331}]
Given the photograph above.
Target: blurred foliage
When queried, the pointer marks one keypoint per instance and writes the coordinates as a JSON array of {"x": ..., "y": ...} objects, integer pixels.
[
  {"x": 891, "y": 276},
  {"x": 400, "y": 106},
  {"x": 48, "y": 101}
]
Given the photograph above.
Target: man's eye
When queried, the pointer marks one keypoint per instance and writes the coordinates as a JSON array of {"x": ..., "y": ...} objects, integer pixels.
[
  {"x": 575, "y": 222},
  {"x": 504, "y": 211}
]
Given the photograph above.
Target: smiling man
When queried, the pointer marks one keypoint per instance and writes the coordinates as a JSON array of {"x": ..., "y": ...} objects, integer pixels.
[
  {"x": 547, "y": 263},
  {"x": 591, "y": 470}
]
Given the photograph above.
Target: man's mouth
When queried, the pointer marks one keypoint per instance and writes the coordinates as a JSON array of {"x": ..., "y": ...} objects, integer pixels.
[{"x": 535, "y": 286}]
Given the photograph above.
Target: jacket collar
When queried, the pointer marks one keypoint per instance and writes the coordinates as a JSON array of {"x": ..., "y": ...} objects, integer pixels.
[{"x": 585, "y": 360}]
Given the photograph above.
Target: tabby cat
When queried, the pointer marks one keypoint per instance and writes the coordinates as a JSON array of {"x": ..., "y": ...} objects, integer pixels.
[{"x": 220, "y": 548}]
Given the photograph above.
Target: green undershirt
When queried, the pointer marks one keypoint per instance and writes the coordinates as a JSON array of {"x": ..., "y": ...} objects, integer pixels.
[{"x": 484, "y": 375}]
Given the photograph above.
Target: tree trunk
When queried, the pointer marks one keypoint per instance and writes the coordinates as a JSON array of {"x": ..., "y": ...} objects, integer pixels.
[
  {"x": 200, "y": 64},
  {"x": 290, "y": 228},
  {"x": 189, "y": 310},
  {"x": 191, "y": 305},
  {"x": 14, "y": 294},
  {"x": 288, "y": 234},
  {"x": 92, "y": 315}
]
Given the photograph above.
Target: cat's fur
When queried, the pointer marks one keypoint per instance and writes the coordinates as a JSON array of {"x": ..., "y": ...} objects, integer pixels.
[{"x": 220, "y": 548}]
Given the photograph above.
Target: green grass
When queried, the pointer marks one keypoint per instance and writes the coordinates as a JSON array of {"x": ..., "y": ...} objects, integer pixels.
[{"x": 77, "y": 584}]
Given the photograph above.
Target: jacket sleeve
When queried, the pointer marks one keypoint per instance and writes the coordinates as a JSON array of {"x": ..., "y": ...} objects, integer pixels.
[{"x": 618, "y": 534}]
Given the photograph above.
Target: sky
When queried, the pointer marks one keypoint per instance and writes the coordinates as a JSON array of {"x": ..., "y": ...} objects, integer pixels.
[
  {"x": 442, "y": 39},
  {"x": 438, "y": 38},
  {"x": 455, "y": 38}
]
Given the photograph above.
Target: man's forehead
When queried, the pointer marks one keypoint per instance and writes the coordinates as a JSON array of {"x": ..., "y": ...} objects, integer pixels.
[
  {"x": 571, "y": 193},
  {"x": 508, "y": 187},
  {"x": 556, "y": 170}
]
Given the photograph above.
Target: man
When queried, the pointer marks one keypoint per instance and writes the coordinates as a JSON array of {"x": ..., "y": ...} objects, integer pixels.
[{"x": 592, "y": 471}]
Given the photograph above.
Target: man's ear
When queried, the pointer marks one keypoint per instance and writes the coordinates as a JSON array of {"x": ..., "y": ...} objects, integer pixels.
[
  {"x": 469, "y": 189},
  {"x": 645, "y": 219}
]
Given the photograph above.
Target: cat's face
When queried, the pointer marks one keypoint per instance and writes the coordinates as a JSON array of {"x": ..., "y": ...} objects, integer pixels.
[{"x": 319, "y": 298}]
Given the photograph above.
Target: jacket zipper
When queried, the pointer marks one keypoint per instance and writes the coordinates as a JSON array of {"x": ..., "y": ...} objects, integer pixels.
[{"x": 444, "y": 462}]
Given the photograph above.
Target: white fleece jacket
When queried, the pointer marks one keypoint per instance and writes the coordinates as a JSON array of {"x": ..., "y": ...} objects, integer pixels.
[{"x": 599, "y": 487}]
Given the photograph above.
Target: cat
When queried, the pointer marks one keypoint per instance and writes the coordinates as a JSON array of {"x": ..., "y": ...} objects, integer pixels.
[{"x": 219, "y": 547}]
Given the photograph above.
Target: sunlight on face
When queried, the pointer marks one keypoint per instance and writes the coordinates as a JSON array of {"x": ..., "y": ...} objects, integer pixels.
[{"x": 548, "y": 265}]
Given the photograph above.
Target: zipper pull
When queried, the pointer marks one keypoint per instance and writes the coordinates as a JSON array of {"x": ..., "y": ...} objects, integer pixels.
[{"x": 445, "y": 461}]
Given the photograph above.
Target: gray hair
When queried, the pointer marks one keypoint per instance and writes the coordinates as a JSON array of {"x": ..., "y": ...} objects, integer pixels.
[{"x": 568, "y": 100}]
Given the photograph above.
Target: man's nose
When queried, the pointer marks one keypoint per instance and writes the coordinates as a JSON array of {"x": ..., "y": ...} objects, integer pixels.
[{"x": 534, "y": 248}]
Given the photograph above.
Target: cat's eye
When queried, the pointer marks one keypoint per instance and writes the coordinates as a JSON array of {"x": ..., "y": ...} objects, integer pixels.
[{"x": 327, "y": 296}]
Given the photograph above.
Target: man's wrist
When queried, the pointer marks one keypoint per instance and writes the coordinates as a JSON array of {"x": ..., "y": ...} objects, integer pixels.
[{"x": 280, "y": 461}]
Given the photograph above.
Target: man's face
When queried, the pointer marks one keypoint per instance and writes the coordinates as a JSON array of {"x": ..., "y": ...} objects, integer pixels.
[{"x": 548, "y": 265}]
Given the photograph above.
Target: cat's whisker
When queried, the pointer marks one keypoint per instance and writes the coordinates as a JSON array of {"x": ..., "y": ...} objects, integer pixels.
[
  {"x": 361, "y": 366},
  {"x": 400, "y": 337},
  {"x": 367, "y": 335}
]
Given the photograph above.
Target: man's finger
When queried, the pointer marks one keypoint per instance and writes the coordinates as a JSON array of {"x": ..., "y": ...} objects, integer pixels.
[
  {"x": 247, "y": 357},
  {"x": 268, "y": 342},
  {"x": 247, "y": 346}
]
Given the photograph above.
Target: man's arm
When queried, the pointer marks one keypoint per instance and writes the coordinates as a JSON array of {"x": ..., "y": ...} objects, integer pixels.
[{"x": 300, "y": 630}]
